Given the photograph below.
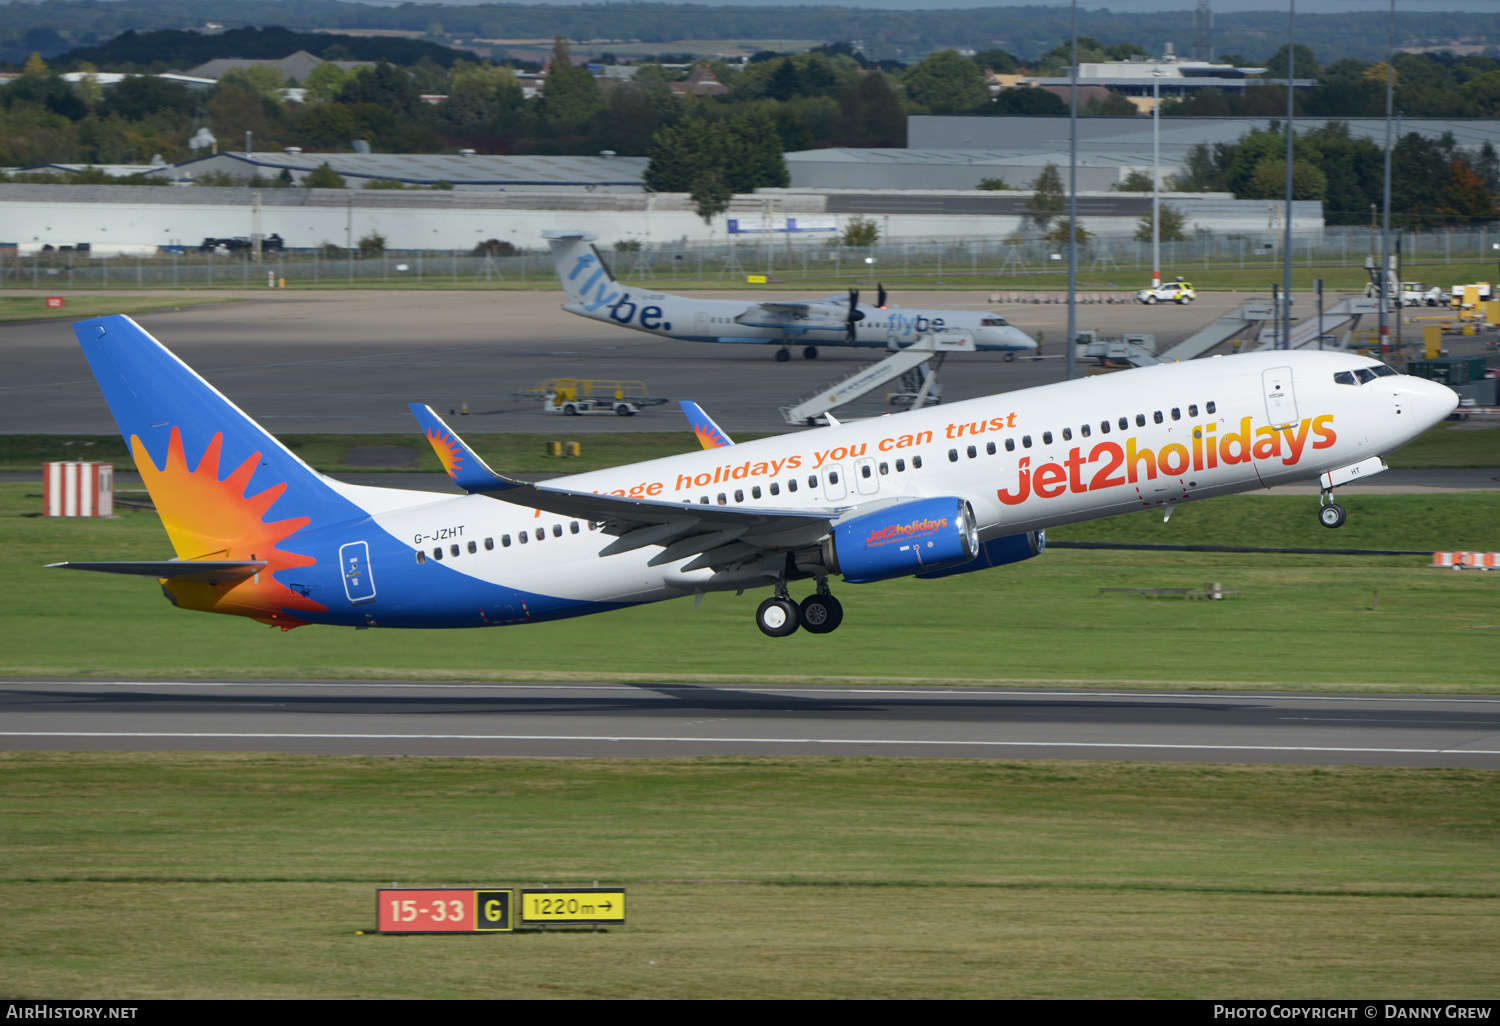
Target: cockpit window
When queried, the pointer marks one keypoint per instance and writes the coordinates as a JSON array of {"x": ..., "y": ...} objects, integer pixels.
[
  {"x": 1383, "y": 371},
  {"x": 1343, "y": 378},
  {"x": 1365, "y": 375},
  {"x": 993, "y": 322}
]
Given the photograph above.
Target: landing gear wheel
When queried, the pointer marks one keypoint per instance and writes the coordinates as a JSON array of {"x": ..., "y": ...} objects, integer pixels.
[
  {"x": 1010, "y": 356},
  {"x": 821, "y": 614},
  {"x": 1332, "y": 515},
  {"x": 809, "y": 352},
  {"x": 783, "y": 355},
  {"x": 777, "y": 617}
]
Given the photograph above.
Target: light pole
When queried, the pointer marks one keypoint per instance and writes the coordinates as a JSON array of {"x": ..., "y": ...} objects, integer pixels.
[
  {"x": 1286, "y": 244},
  {"x": 1156, "y": 177},
  {"x": 1072, "y": 342}
]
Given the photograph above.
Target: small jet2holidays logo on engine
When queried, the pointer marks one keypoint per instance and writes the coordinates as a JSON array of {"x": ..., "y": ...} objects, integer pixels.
[{"x": 906, "y": 532}]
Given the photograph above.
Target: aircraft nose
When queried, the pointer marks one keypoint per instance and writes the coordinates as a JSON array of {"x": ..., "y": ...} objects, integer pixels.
[
  {"x": 1430, "y": 401},
  {"x": 1021, "y": 340}
]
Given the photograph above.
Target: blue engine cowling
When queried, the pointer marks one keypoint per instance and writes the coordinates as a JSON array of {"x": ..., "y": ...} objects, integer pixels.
[
  {"x": 904, "y": 539},
  {"x": 997, "y": 552}
]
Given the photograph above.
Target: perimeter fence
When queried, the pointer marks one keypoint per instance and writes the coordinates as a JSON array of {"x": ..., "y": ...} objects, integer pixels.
[{"x": 968, "y": 260}]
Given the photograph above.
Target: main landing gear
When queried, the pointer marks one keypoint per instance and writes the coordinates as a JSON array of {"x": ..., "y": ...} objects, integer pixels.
[
  {"x": 819, "y": 613},
  {"x": 785, "y": 353},
  {"x": 1330, "y": 514}
]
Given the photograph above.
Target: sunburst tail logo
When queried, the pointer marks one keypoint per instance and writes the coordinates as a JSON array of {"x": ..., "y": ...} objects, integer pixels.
[
  {"x": 207, "y": 517},
  {"x": 449, "y": 451}
]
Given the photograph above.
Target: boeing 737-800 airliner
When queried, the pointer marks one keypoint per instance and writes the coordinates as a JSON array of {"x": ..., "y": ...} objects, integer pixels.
[
  {"x": 928, "y": 493},
  {"x": 836, "y": 321}
]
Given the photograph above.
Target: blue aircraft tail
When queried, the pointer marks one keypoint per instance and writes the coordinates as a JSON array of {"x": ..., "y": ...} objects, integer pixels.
[{"x": 224, "y": 487}]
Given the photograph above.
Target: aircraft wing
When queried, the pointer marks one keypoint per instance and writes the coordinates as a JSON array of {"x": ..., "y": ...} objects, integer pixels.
[
  {"x": 775, "y": 314},
  {"x": 717, "y": 535}
]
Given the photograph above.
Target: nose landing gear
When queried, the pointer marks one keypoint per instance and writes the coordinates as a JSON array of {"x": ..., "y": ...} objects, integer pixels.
[{"x": 1330, "y": 514}]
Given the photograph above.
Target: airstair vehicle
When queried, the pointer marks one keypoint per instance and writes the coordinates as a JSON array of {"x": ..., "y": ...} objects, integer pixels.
[{"x": 911, "y": 363}]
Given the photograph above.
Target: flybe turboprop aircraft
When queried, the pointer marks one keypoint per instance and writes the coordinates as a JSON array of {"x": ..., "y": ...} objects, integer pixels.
[
  {"x": 592, "y": 292},
  {"x": 954, "y": 489}
]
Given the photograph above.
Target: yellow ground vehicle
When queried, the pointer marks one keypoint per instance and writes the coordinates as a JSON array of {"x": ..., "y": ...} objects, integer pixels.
[{"x": 575, "y": 396}]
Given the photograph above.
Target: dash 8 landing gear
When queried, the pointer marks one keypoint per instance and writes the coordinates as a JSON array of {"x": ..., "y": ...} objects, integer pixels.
[{"x": 1330, "y": 514}]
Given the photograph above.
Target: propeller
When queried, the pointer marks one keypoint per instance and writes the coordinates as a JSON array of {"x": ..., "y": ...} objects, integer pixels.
[{"x": 855, "y": 315}]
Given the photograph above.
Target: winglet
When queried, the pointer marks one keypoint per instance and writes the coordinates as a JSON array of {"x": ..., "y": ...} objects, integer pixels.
[
  {"x": 462, "y": 463},
  {"x": 709, "y": 434}
]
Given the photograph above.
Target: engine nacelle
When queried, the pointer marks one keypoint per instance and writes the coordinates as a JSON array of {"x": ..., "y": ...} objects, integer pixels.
[
  {"x": 997, "y": 552},
  {"x": 904, "y": 539}
]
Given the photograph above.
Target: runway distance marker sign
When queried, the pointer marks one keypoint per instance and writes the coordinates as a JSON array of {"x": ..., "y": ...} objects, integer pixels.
[
  {"x": 444, "y": 910},
  {"x": 578, "y": 906}
]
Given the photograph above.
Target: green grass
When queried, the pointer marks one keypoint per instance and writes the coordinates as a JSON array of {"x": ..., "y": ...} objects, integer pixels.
[
  {"x": 1041, "y": 621},
  {"x": 82, "y": 306},
  {"x": 248, "y": 876}
]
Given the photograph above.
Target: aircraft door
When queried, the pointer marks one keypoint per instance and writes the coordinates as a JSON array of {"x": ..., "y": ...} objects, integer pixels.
[
  {"x": 1281, "y": 400},
  {"x": 864, "y": 476},
  {"x": 700, "y": 324},
  {"x": 834, "y": 485},
  {"x": 359, "y": 583}
]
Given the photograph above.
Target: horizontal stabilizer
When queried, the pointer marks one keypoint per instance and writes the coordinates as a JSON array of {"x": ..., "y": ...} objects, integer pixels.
[
  {"x": 463, "y": 464},
  {"x": 177, "y": 569}
]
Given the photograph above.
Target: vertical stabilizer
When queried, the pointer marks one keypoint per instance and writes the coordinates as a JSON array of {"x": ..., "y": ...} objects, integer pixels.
[
  {"x": 224, "y": 487},
  {"x": 586, "y": 278}
]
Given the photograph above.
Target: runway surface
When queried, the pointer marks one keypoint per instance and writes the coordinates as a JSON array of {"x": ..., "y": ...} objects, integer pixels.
[
  {"x": 656, "y": 720},
  {"x": 350, "y": 361}
]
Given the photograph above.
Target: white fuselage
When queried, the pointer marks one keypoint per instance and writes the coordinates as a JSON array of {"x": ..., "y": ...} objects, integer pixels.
[{"x": 1026, "y": 460}]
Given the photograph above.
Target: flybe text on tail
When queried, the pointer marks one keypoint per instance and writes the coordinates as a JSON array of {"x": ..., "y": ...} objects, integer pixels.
[
  {"x": 599, "y": 282},
  {"x": 1112, "y": 465}
]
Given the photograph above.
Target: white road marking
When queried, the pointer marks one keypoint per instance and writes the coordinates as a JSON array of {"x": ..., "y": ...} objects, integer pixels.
[{"x": 746, "y": 740}]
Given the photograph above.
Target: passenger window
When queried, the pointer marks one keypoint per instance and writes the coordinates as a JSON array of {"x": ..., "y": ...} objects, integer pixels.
[
  {"x": 916, "y": 463},
  {"x": 775, "y": 488},
  {"x": 1104, "y": 427},
  {"x": 1046, "y": 437},
  {"x": 973, "y": 452},
  {"x": 1084, "y": 431},
  {"x": 885, "y": 468},
  {"x": 1176, "y": 413},
  {"x": 1124, "y": 423},
  {"x": 755, "y": 492},
  {"x": 703, "y": 501},
  {"x": 1026, "y": 441},
  {"x": 437, "y": 553},
  {"x": 505, "y": 541},
  {"x": 541, "y": 534},
  {"x": 791, "y": 485},
  {"x": 989, "y": 447},
  {"x": 1067, "y": 434},
  {"x": 473, "y": 548},
  {"x": 833, "y": 477},
  {"x": 453, "y": 548},
  {"x": 723, "y": 499},
  {"x": 739, "y": 495},
  {"x": 489, "y": 544},
  {"x": 1010, "y": 445},
  {"x": 865, "y": 471},
  {"x": 557, "y": 530},
  {"x": 573, "y": 527},
  {"x": 523, "y": 536},
  {"x": 1193, "y": 410},
  {"x": 1211, "y": 407},
  {"x": 421, "y": 556},
  {"x": 1157, "y": 417}
]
